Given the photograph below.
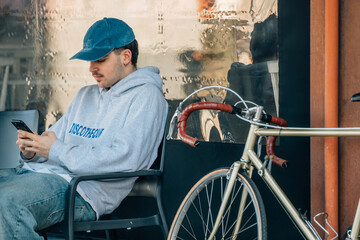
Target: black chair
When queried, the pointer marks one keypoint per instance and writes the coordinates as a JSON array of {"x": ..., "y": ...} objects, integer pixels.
[{"x": 149, "y": 184}]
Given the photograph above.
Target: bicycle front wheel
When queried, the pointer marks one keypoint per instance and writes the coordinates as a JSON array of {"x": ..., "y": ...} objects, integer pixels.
[{"x": 196, "y": 216}]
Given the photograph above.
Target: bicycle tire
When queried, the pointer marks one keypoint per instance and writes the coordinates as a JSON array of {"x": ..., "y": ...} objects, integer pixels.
[{"x": 197, "y": 213}]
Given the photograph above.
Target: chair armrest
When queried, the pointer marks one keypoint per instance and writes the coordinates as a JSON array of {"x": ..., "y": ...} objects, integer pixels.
[
  {"x": 71, "y": 191},
  {"x": 114, "y": 176}
]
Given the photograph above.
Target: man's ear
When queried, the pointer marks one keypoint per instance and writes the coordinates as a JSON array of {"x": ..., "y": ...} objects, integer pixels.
[{"x": 126, "y": 56}]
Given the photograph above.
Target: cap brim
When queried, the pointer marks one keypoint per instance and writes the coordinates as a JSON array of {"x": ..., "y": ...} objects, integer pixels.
[{"x": 88, "y": 54}]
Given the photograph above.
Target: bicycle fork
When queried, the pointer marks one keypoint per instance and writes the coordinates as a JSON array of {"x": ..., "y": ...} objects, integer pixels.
[
  {"x": 228, "y": 190},
  {"x": 236, "y": 166},
  {"x": 241, "y": 207}
]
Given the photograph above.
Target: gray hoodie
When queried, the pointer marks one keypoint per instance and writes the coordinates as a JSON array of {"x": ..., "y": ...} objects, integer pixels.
[{"x": 108, "y": 131}]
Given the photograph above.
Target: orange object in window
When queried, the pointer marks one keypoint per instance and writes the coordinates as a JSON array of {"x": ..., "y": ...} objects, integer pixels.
[{"x": 205, "y": 5}]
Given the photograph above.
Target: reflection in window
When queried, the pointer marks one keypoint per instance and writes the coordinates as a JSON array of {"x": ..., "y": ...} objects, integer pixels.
[{"x": 195, "y": 43}]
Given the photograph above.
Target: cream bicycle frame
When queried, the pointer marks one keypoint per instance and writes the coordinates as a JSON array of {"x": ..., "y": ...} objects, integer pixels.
[{"x": 249, "y": 156}]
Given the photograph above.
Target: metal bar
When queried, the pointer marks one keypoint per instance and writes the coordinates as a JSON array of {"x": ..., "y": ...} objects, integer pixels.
[
  {"x": 250, "y": 141},
  {"x": 241, "y": 208},
  {"x": 225, "y": 200},
  {"x": 240, "y": 212},
  {"x": 282, "y": 196},
  {"x": 319, "y": 132}
]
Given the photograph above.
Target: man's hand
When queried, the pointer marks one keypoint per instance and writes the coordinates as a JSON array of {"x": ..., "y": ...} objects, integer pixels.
[
  {"x": 31, "y": 143},
  {"x": 22, "y": 146}
]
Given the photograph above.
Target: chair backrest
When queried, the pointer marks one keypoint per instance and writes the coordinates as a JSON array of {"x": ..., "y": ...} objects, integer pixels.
[
  {"x": 9, "y": 151},
  {"x": 147, "y": 186}
]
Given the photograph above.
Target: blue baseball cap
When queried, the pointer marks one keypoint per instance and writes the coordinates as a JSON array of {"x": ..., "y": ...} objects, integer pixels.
[{"x": 102, "y": 37}]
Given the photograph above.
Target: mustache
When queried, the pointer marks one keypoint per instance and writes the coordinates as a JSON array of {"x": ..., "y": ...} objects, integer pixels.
[{"x": 96, "y": 74}]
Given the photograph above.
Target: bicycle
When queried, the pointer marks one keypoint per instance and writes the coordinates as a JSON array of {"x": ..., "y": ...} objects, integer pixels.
[{"x": 225, "y": 203}]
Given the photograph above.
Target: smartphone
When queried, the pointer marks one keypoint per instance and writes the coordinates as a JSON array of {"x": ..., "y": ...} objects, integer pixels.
[{"x": 20, "y": 125}]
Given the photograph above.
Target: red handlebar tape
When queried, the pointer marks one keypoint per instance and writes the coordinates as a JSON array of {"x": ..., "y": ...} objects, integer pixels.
[
  {"x": 270, "y": 140},
  {"x": 270, "y": 143},
  {"x": 198, "y": 106}
]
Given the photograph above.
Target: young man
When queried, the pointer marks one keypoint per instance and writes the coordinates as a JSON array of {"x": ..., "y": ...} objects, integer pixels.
[{"x": 115, "y": 125}]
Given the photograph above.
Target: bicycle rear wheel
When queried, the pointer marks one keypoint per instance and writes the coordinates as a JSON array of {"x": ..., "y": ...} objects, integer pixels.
[{"x": 197, "y": 213}]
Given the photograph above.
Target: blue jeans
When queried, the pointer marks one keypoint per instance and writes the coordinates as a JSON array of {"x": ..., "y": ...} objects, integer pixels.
[{"x": 31, "y": 201}]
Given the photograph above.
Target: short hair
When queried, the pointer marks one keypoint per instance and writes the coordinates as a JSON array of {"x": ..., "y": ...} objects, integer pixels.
[{"x": 133, "y": 47}]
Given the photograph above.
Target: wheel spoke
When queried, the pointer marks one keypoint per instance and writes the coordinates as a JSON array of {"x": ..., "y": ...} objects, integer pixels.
[
  {"x": 200, "y": 215},
  {"x": 192, "y": 233},
  {"x": 196, "y": 218},
  {"x": 234, "y": 195},
  {"x": 209, "y": 201},
  {"x": 248, "y": 218}
]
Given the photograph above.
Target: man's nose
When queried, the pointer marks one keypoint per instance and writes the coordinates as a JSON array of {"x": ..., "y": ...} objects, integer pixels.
[{"x": 93, "y": 67}]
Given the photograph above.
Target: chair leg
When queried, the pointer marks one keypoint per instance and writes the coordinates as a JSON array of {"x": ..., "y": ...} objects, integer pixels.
[
  {"x": 107, "y": 234},
  {"x": 111, "y": 234},
  {"x": 164, "y": 226}
]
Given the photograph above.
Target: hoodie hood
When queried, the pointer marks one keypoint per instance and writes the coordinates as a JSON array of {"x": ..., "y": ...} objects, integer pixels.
[{"x": 146, "y": 75}]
